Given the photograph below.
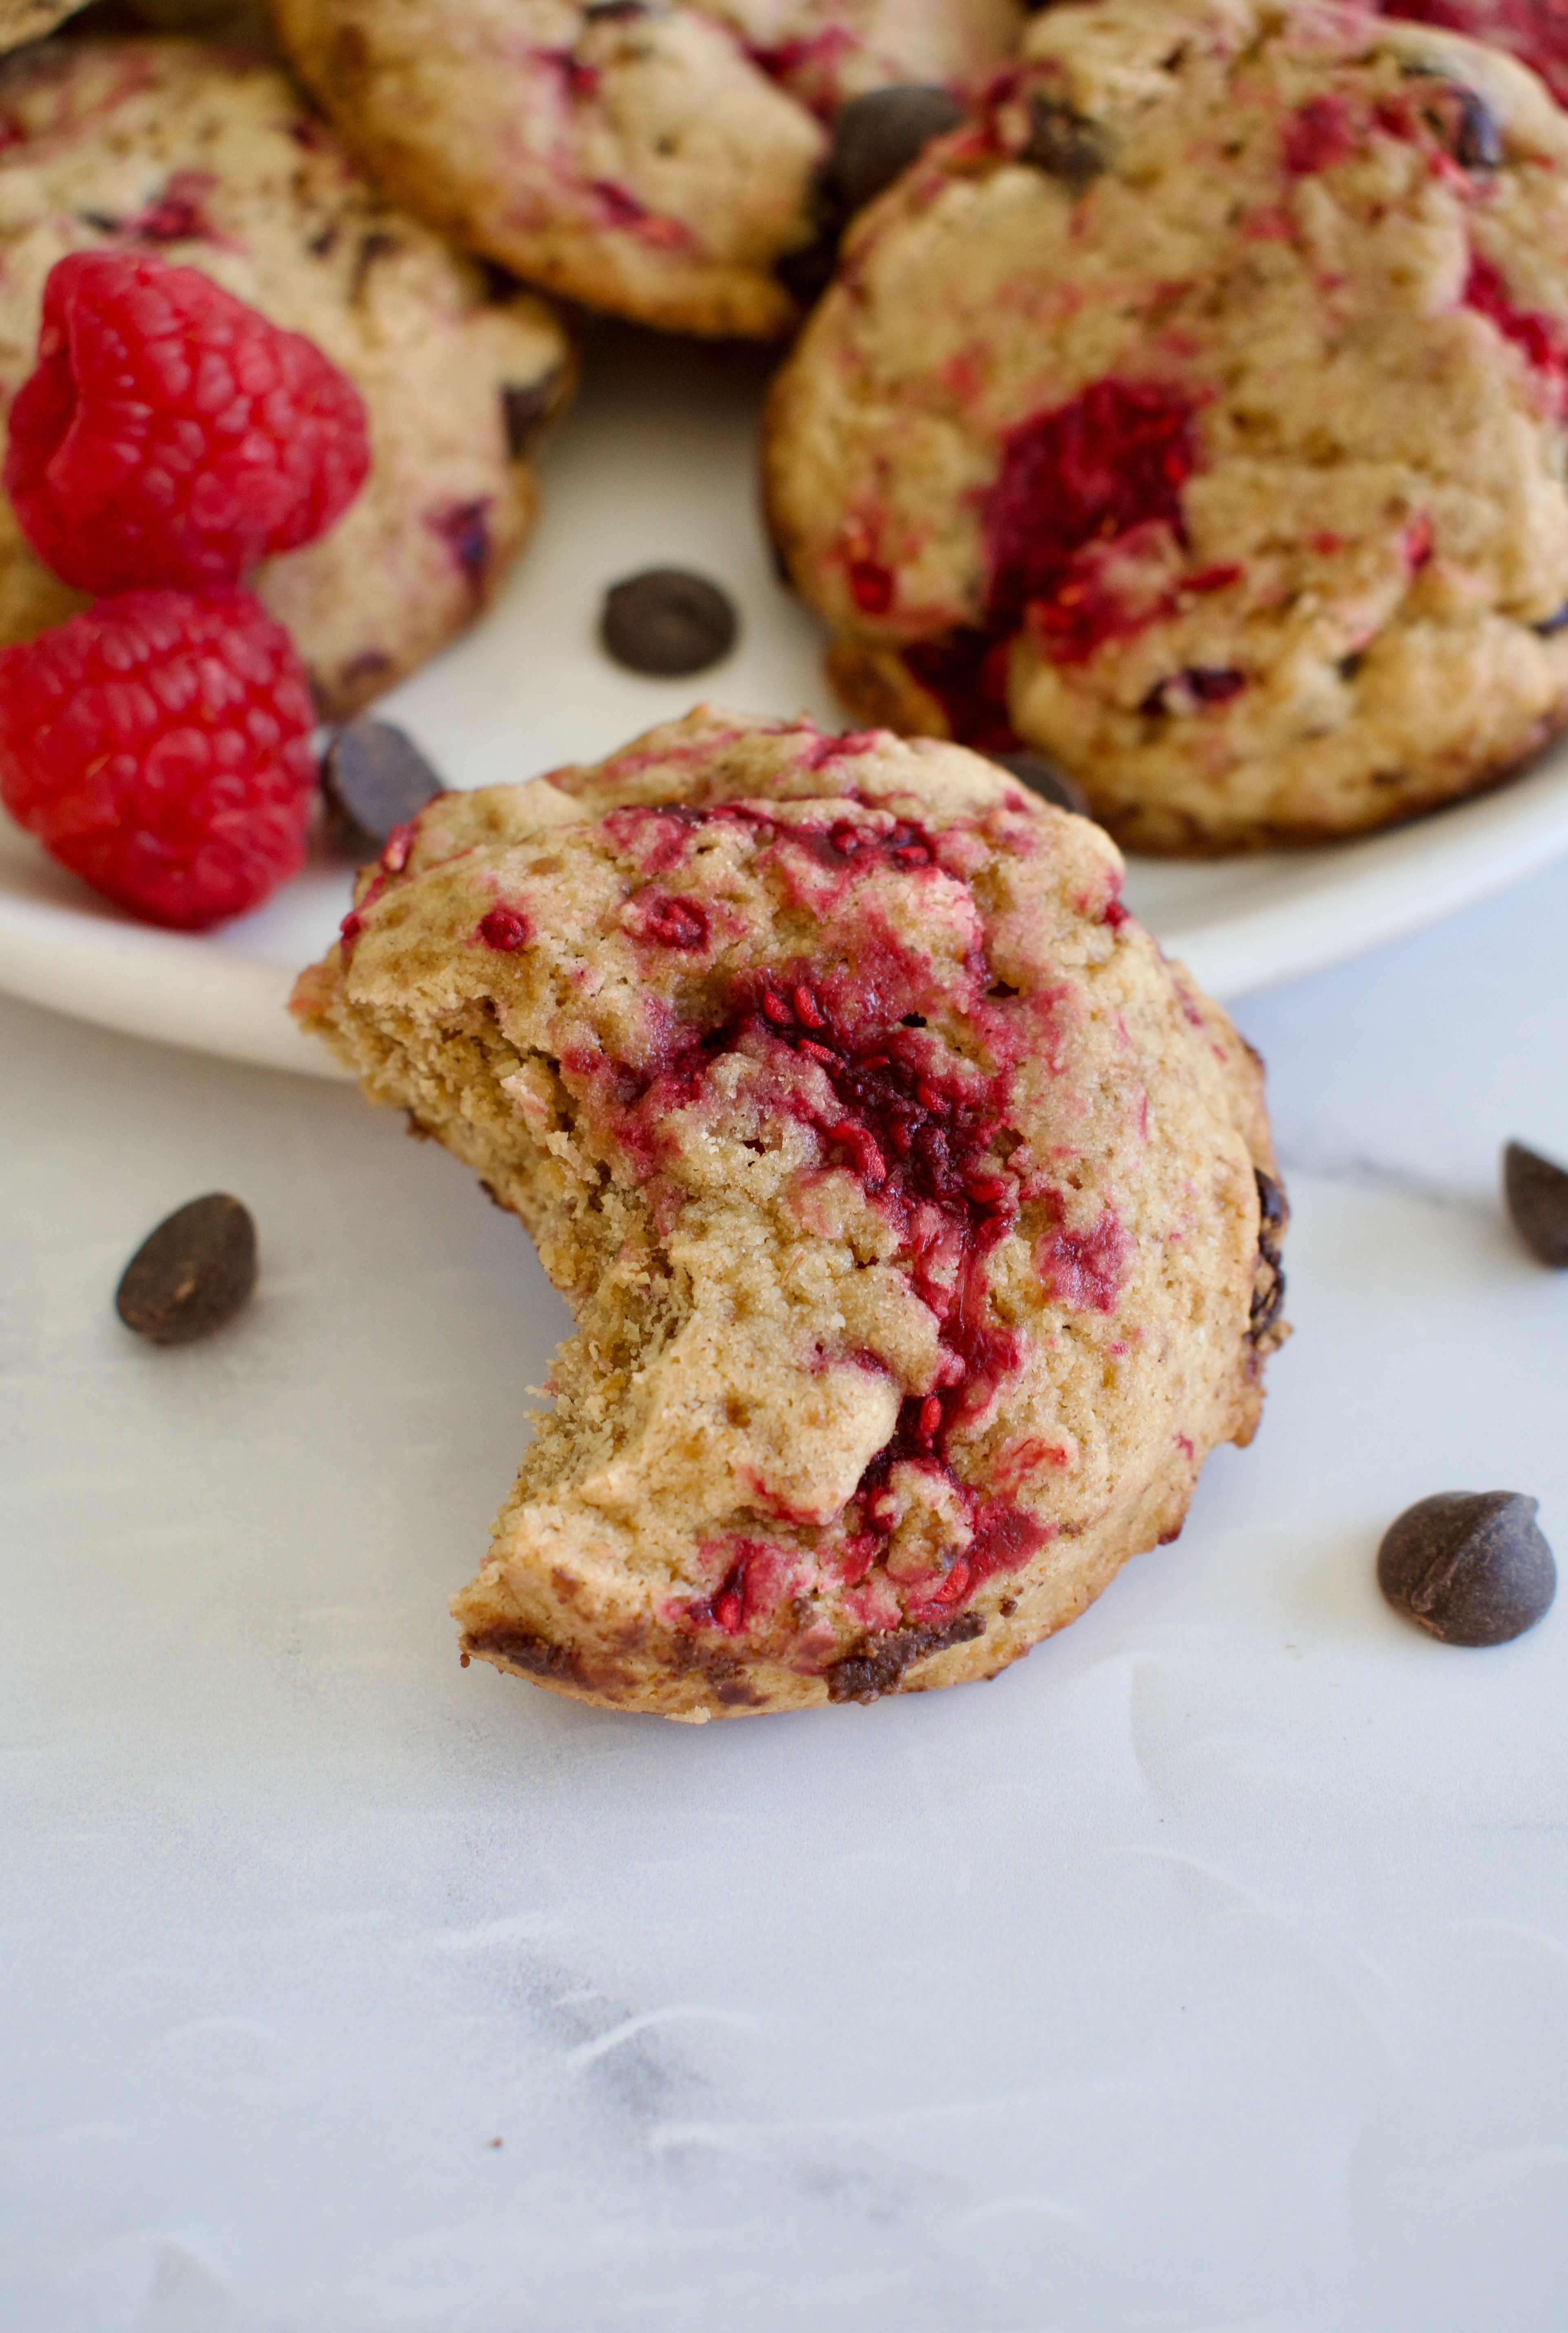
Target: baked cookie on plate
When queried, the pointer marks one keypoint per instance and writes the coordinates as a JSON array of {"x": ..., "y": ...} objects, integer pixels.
[
  {"x": 208, "y": 157},
  {"x": 659, "y": 161},
  {"x": 918, "y": 1216},
  {"x": 1195, "y": 417}
]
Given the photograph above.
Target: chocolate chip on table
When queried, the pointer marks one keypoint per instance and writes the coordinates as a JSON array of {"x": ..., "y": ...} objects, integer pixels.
[
  {"x": 191, "y": 1274},
  {"x": 1042, "y": 777},
  {"x": 1064, "y": 145},
  {"x": 1468, "y": 1566},
  {"x": 1536, "y": 1193},
  {"x": 876, "y": 136},
  {"x": 668, "y": 622},
  {"x": 374, "y": 778}
]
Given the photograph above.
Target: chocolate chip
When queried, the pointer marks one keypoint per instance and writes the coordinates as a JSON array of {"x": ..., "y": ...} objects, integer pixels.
[
  {"x": 374, "y": 778},
  {"x": 1468, "y": 1566},
  {"x": 1042, "y": 777},
  {"x": 877, "y": 136},
  {"x": 192, "y": 1274},
  {"x": 525, "y": 411},
  {"x": 1537, "y": 1196},
  {"x": 1552, "y": 624},
  {"x": 1268, "y": 1272},
  {"x": 866, "y": 1676},
  {"x": 1064, "y": 144},
  {"x": 668, "y": 622},
  {"x": 1477, "y": 136}
]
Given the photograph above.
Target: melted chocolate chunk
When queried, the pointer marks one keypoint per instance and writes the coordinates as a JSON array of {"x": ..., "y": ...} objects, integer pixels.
[
  {"x": 1468, "y": 1566},
  {"x": 1064, "y": 145},
  {"x": 866, "y": 1676},
  {"x": 1552, "y": 624},
  {"x": 1043, "y": 777},
  {"x": 876, "y": 137},
  {"x": 374, "y": 778},
  {"x": 668, "y": 622},
  {"x": 196, "y": 1270},
  {"x": 525, "y": 411},
  {"x": 525, "y": 1650},
  {"x": 1536, "y": 1193},
  {"x": 1268, "y": 1274}
]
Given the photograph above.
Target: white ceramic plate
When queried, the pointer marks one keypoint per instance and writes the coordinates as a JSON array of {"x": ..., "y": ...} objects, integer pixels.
[{"x": 656, "y": 466}]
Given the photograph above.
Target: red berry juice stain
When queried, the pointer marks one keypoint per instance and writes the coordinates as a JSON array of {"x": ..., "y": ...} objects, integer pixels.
[
  {"x": 177, "y": 215},
  {"x": 673, "y": 923},
  {"x": 966, "y": 672},
  {"x": 1542, "y": 339},
  {"x": 1087, "y": 1271},
  {"x": 505, "y": 929},
  {"x": 920, "y": 1135},
  {"x": 465, "y": 529},
  {"x": 870, "y": 586},
  {"x": 754, "y": 1580},
  {"x": 1319, "y": 134},
  {"x": 1073, "y": 480}
]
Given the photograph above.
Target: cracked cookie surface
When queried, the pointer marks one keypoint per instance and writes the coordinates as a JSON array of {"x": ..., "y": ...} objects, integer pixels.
[
  {"x": 917, "y": 1216},
  {"x": 209, "y": 159},
  {"x": 1197, "y": 414},
  {"x": 656, "y": 161}
]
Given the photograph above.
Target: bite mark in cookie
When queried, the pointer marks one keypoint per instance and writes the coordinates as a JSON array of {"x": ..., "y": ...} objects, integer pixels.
[{"x": 904, "y": 1196}]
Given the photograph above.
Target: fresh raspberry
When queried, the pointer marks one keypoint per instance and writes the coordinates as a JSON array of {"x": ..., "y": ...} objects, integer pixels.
[
  {"x": 170, "y": 434},
  {"x": 159, "y": 745}
]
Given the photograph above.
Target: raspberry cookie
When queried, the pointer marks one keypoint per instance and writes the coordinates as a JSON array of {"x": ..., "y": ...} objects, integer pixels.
[
  {"x": 916, "y": 1215},
  {"x": 207, "y": 158},
  {"x": 1198, "y": 417},
  {"x": 655, "y": 160}
]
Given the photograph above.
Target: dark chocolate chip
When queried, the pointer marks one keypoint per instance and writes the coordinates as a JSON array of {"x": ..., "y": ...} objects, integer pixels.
[
  {"x": 1468, "y": 1566},
  {"x": 866, "y": 1676},
  {"x": 1268, "y": 1272},
  {"x": 1200, "y": 683},
  {"x": 1042, "y": 777},
  {"x": 1477, "y": 135},
  {"x": 668, "y": 622},
  {"x": 192, "y": 1274},
  {"x": 1552, "y": 624},
  {"x": 876, "y": 136},
  {"x": 525, "y": 411},
  {"x": 374, "y": 778},
  {"x": 1064, "y": 145},
  {"x": 1536, "y": 1193}
]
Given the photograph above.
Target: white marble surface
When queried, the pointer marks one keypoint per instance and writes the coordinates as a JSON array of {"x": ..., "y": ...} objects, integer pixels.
[{"x": 1206, "y": 1974}]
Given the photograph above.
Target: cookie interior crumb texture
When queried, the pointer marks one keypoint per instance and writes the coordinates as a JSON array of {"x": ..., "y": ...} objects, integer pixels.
[
  {"x": 1195, "y": 415},
  {"x": 211, "y": 159},
  {"x": 657, "y": 162},
  {"x": 917, "y": 1216}
]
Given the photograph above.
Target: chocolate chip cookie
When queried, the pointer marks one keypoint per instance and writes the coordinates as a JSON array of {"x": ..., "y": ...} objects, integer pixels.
[
  {"x": 659, "y": 161},
  {"x": 1196, "y": 416},
  {"x": 210, "y": 157},
  {"x": 918, "y": 1216}
]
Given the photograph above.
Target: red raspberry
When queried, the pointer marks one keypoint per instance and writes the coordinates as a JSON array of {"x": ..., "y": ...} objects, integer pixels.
[
  {"x": 171, "y": 435},
  {"x": 160, "y": 747}
]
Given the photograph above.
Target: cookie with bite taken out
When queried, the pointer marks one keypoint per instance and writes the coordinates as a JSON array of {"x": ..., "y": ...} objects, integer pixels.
[
  {"x": 210, "y": 158},
  {"x": 1197, "y": 417},
  {"x": 917, "y": 1216}
]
